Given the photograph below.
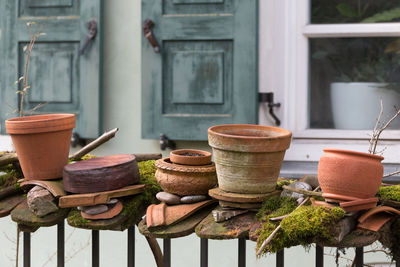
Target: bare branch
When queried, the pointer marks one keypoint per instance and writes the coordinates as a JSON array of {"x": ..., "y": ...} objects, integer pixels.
[{"x": 391, "y": 174}]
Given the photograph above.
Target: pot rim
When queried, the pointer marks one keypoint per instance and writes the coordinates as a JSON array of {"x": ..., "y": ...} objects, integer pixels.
[
  {"x": 283, "y": 133},
  {"x": 40, "y": 123},
  {"x": 166, "y": 164},
  {"x": 352, "y": 152}
]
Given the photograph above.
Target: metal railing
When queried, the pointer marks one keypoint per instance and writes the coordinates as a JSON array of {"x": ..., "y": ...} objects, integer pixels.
[{"x": 241, "y": 254}]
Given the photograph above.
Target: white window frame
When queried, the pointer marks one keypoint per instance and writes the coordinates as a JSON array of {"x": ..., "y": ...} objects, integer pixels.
[{"x": 284, "y": 32}]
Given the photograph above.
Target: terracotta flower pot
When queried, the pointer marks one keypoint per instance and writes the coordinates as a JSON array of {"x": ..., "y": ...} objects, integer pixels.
[
  {"x": 185, "y": 180},
  {"x": 190, "y": 157},
  {"x": 350, "y": 173},
  {"x": 248, "y": 158},
  {"x": 42, "y": 143}
]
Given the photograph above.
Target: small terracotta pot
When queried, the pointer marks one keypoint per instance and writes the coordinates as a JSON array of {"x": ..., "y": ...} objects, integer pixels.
[
  {"x": 350, "y": 173},
  {"x": 248, "y": 157},
  {"x": 190, "y": 157},
  {"x": 185, "y": 180},
  {"x": 42, "y": 143}
]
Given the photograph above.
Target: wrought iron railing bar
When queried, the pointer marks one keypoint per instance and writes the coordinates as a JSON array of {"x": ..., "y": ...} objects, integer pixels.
[
  {"x": 60, "y": 244},
  {"x": 167, "y": 252},
  {"x": 319, "y": 256},
  {"x": 397, "y": 262},
  {"x": 280, "y": 258},
  {"x": 203, "y": 252},
  {"x": 95, "y": 248},
  {"x": 360, "y": 257},
  {"x": 242, "y": 252},
  {"x": 131, "y": 246},
  {"x": 27, "y": 249}
]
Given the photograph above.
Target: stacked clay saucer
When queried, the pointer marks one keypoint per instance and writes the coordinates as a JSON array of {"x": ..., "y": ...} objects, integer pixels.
[{"x": 185, "y": 177}]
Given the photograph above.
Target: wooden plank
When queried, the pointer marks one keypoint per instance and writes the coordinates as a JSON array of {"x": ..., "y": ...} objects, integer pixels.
[
  {"x": 22, "y": 215},
  {"x": 9, "y": 203},
  {"x": 237, "y": 227},
  {"x": 183, "y": 228},
  {"x": 91, "y": 199}
]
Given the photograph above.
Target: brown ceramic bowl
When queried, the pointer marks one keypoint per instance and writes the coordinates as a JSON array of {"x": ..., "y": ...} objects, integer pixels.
[
  {"x": 185, "y": 180},
  {"x": 190, "y": 157}
]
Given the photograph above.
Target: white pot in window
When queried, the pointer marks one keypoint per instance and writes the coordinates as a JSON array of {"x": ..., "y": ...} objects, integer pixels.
[{"x": 355, "y": 105}]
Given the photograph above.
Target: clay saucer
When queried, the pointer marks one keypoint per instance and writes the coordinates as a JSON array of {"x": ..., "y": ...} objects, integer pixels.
[
  {"x": 220, "y": 194},
  {"x": 190, "y": 157},
  {"x": 227, "y": 204},
  {"x": 161, "y": 214},
  {"x": 359, "y": 204},
  {"x": 317, "y": 203},
  {"x": 337, "y": 197},
  {"x": 111, "y": 213}
]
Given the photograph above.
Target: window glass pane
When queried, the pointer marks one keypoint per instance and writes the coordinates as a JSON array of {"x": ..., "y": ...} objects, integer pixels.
[
  {"x": 348, "y": 76},
  {"x": 354, "y": 11}
]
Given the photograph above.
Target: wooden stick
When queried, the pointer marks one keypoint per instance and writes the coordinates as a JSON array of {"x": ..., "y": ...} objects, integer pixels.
[
  {"x": 7, "y": 158},
  {"x": 155, "y": 248},
  {"x": 302, "y": 191},
  {"x": 144, "y": 157},
  {"x": 279, "y": 218},
  {"x": 93, "y": 145},
  {"x": 266, "y": 241}
]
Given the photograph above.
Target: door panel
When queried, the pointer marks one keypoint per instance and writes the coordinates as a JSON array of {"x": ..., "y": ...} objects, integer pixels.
[
  {"x": 206, "y": 71},
  {"x": 59, "y": 78}
]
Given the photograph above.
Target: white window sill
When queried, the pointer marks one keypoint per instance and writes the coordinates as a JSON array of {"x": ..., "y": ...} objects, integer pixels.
[{"x": 5, "y": 143}]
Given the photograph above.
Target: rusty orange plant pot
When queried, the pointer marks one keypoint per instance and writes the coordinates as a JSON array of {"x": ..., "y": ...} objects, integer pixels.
[
  {"x": 42, "y": 143},
  {"x": 350, "y": 173},
  {"x": 248, "y": 158}
]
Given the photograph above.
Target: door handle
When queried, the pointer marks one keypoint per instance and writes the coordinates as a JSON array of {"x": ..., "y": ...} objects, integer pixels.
[
  {"x": 148, "y": 33},
  {"x": 92, "y": 31}
]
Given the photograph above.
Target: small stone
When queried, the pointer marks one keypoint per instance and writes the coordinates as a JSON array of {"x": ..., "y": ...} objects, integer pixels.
[
  {"x": 193, "y": 199},
  {"x": 298, "y": 185},
  {"x": 168, "y": 198},
  {"x": 93, "y": 210},
  {"x": 311, "y": 180},
  {"x": 2, "y": 173},
  {"x": 41, "y": 201},
  {"x": 112, "y": 201}
]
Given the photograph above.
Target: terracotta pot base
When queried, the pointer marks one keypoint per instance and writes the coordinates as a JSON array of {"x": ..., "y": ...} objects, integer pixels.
[
  {"x": 360, "y": 204},
  {"x": 220, "y": 194}
]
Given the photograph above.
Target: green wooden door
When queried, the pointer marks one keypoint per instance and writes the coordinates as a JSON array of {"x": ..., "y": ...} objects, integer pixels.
[
  {"x": 206, "y": 71},
  {"x": 60, "y": 78}
]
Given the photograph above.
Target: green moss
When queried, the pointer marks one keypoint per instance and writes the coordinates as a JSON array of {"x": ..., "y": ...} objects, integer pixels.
[
  {"x": 85, "y": 157},
  {"x": 281, "y": 183},
  {"x": 11, "y": 176},
  {"x": 302, "y": 227},
  {"x": 389, "y": 192},
  {"x": 75, "y": 219}
]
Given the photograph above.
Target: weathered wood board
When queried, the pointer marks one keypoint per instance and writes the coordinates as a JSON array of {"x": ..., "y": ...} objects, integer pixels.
[
  {"x": 180, "y": 229},
  {"x": 22, "y": 215},
  {"x": 9, "y": 203},
  {"x": 236, "y": 227}
]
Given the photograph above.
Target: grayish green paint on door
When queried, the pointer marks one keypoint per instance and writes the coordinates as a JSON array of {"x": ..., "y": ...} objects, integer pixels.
[
  {"x": 59, "y": 77},
  {"x": 206, "y": 72}
]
